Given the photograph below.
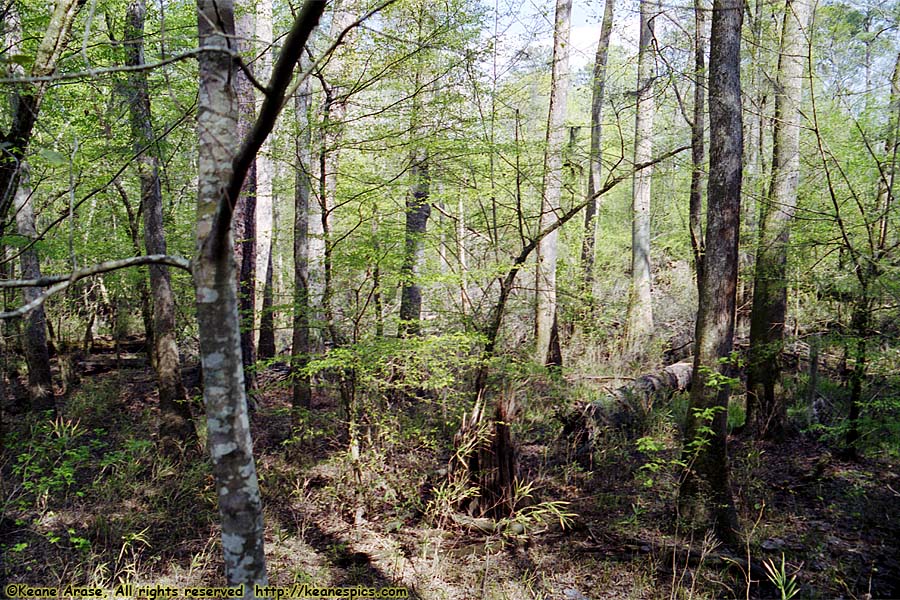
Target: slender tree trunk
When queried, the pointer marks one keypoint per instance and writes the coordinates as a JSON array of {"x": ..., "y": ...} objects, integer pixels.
[
  {"x": 175, "y": 417},
  {"x": 333, "y": 110},
  {"x": 595, "y": 161},
  {"x": 15, "y": 189},
  {"x": 301, "y": 347},
  {"x": 28, "y": 97},
  {"x": 859, "y": 326},
  {"x": 705, "y": 495},
  {"x": 245, "y": 209},
  {"x": 37, "y": 356},
  {"x": 228, "y": 425},
  {"x": 640, "y": 305},
  {"x": 266, "y": 348},
  {"x": 548, "y": 248},
  {"x": 766, "y": 413},
  {"x": 418, "y": 209},
  {"x": 265, "y": 174},
  {"x": 134, "y": 231},
  {"x": 698, "y": 151}
]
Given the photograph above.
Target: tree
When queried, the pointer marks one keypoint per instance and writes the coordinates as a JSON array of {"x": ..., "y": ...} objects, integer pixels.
[
  {"x": 37, "y": 355},
  {"x": 640, "y": 305},
  {"x": 698, "y": 151},
  {"x": 301, "y": 347},
  {"x": 418, "y": 209},
  {"x": 224, "y": 394},
  {"x": 546, "y": 326},
  {"x": 175, "y": 421},
  {"x": 766, "y": 413},
  {"x": 265, "y": 199},
  {"x": 26, "y": 106},
  {"x": 595, "y": 160},
  {"x": 28, "y": 97},
  {"x": 245, "y": 207},
  {"x": 705, "y": 494}
]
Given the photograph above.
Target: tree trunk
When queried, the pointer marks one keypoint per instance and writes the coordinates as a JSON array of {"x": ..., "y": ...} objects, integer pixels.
[
  {"x": 266, "y": 348},
  {"x": 766, "y": 413},
  {"x": 418, "y": 209},
  {"x": 548, "y": 248},
  {"x": 640, "y": 307},
  {"x": 245, "y": 209},
  {"x": 15, "y": 187},
  {"x": 134, "y": 231},
  {"x": 37, "y": 356},
  {"x": 333, "y": 110},
  {"x": 228, "y": 426},
  {"x": 859, "y": 326},
  {"x": 265, "y": 174},
  {"x": 28, "y": 97},
  {"x": 175, "y": 425},
  {"x": 697, "y": 143},
  {"x": 595, "y": 160},
  {"x": 491, "y": 465},
  {"x": 705, "y": 495},
  {"x": 301, "y": 347}
]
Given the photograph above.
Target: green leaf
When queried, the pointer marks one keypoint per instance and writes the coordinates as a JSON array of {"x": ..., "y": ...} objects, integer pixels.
[
  {"x": 21, "y": 59},
  {"x": 53, "y": 157}
]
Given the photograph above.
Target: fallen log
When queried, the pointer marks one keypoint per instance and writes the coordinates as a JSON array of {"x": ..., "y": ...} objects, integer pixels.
[{"x": 625, "y": 408}]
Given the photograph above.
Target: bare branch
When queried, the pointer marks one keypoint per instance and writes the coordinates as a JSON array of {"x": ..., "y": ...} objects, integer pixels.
[
  {"x": 59, "y": 283},
  {"x": 92, "y": 73}
]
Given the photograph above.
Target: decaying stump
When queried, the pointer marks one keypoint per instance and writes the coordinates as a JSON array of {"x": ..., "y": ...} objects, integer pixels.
[{"x": 486, "y": 457}]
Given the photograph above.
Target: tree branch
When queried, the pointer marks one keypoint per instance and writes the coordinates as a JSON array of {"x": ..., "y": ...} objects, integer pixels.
[{"x": 59, "y": 283}]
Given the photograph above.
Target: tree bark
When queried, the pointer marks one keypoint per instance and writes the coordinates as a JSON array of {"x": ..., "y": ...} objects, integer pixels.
[
  {"x": 228, "y": 426},
  {"x": 640, "y": 306},
  {"x": 333, "y": 110},
  {"x": 766, "y": 413},
  {"x": 548, "y": 247},
  {"x": 595, "y": 161},
  {"x": 266, "y": 347},
  {"x": 37, "y": 356},
  {"x": 859, "y": 326},
  {"x": 245, "y": 208},
  {"x": 418, "y": 209},
  {"x": 698, "y": 151},
  {"x": 301, "y": 348},
  {"x": 265, "y": 173},
  {"x": 705, "y": 494},
  {"x": 175, "y": 425}
]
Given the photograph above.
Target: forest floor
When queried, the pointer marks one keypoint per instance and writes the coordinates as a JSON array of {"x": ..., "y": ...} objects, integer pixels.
[{"x": 86, "y": 499}]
